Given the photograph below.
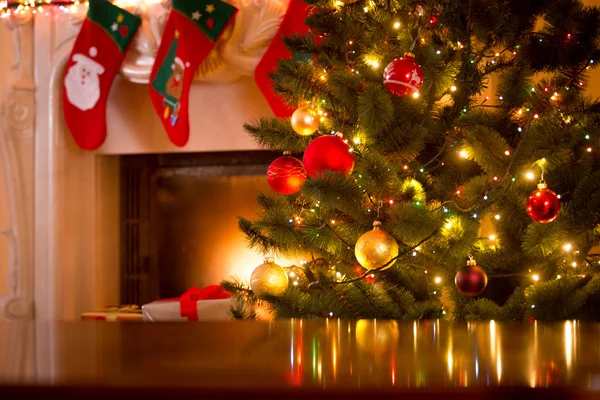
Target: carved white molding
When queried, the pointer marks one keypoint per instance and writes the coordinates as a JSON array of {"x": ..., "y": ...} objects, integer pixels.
[
  {"x": 140, "y": 57},
  {"x": 235, "y": 55},
  {"x": 257, "y": 27},
  {"x": 17, "y": 116}
]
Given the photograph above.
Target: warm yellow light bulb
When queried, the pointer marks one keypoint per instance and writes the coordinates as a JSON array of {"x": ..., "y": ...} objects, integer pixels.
[
  {"x": 530, "y": 175},
  {"x": 396, "y": 25},
  {"x": 464, "y": 154},
  {"x": 438, "y": 280},
  {"x": 536, "y": 277},
  {"x": 568, "y": 247},
  {"x": 453, "y": 88},
  {"x": 415, "y": 95},
  {"x": 492, "y": 237}
]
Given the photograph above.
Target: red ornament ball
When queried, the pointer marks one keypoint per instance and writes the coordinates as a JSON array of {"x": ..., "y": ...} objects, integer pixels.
[
  {"x": 360, "y": 271},
  {"x": 328, "y": 153},
  {"x": 543, "y": 205},
  {"x": 403, "y": 76},
  {"x": 471, "y": 280},
  {"x": 286, "y": 175}
]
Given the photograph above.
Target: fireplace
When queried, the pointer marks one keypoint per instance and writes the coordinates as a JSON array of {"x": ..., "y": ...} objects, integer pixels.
[
  {"x": 178, "y": 220},
  {"x": 63, "y": 240}
]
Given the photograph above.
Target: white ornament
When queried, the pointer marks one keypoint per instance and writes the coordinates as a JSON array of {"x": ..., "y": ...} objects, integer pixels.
[{"x": 82, "y": 82}]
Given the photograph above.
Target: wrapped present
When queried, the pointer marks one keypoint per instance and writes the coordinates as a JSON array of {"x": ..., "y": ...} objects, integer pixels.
[
  {"x": 209, "y": 304},
  {"x": 115, "y": 314}
]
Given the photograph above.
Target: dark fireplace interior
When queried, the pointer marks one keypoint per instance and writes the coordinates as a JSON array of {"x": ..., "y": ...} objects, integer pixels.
[{"x": 179, "y": 220}]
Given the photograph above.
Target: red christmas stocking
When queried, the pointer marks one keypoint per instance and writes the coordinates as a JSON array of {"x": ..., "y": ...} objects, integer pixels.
[
  {"x": 95, "y": 60},
  {"x": 190, "y": 34},
  {"x": 293, "y": 22}
]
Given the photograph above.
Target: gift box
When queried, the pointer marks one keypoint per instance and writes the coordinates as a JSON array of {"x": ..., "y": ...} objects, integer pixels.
[
  {"x": 115, "y": 314},
  {"x": 209, "y": 304}
]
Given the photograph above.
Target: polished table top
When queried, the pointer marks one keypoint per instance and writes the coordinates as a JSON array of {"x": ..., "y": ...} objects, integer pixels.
[{"x": 362, "y": 355}]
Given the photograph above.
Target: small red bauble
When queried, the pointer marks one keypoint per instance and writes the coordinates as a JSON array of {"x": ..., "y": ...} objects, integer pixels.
[
  {"x": 471, "y": 280},
  {"x": 543, "y": 205},
  {"x": 328, "y": 153},
  {"x": 360, "y": 271},
  {"x": 403, "y": 76},
  {"x": 286, "y": 175}
]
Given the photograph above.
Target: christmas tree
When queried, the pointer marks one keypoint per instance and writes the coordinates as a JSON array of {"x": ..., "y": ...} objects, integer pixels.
[{"x": 451, "y": 112}]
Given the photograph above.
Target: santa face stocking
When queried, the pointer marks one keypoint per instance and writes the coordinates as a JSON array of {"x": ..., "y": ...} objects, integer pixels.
[
  {"x": 293, "y": 22},
  {"x": 94, "y": 62},
  {"x": 190, "y": 34}
]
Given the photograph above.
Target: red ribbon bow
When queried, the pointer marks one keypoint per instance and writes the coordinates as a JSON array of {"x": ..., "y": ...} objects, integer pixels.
[{"x": 188, "y": 302}]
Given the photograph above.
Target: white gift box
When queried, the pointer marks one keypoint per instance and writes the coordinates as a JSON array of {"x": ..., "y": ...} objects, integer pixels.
[{"x": 169, "y": 310}]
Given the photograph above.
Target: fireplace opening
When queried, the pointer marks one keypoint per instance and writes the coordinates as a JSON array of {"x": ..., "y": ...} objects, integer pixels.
[{"x": 179, "y": 220}]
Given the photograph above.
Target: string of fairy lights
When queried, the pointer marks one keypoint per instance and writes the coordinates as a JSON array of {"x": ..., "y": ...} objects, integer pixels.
[
  {"x": 28, "y": 7},
  {"x": 23, "y": 8},
  {"x": 525, "y": 115}
]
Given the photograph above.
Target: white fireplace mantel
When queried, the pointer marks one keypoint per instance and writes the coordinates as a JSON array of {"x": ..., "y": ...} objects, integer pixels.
[{"x": 63, "y": 202}]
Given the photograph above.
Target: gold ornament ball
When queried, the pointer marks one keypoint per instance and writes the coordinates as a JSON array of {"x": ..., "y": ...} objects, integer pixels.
[
  {"x": 305, "y": 121},
  {"x": 375, "y": 248},
  {"x": 268, "y": 279}
]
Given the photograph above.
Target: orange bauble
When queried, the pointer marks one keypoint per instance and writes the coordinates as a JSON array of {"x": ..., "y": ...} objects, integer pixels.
[
  {"x": 305, "y": 121},
  {"x": 376, "y": 248},
  {"x": 268, "y": 279}
]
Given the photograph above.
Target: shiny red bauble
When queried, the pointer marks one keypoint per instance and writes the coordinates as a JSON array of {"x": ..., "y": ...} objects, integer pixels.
[
  {"x": 328, "y": 153},
  {"x": 471, "y": 280},
  {"x": 543, "y": 205},
  {"x": 403, "y": 76},
  {"x": 286, "y": 175}
]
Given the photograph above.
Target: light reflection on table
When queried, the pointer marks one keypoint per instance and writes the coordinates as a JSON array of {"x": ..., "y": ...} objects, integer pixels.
[
  {"x": 310, "y": 354},
  {"x": 419, "y": 354}
]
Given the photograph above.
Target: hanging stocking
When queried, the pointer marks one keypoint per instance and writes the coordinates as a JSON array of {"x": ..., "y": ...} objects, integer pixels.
[
  {"x": 94, "y": 62},
  {"x": 293, "y": 22},
  {"x": 190, "y": 34}
]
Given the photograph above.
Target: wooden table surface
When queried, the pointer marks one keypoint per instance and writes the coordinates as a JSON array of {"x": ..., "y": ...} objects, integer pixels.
[{"x": 298, "y": 358}]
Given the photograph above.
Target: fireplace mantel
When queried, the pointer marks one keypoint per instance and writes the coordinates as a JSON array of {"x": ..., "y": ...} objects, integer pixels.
[{"x": 63, "y": 202}]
